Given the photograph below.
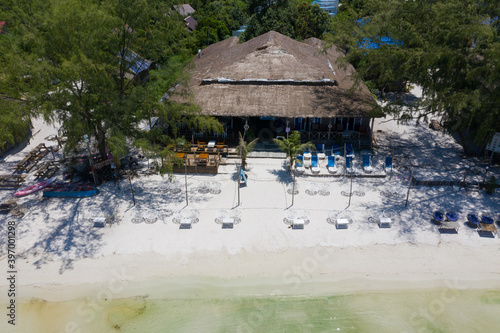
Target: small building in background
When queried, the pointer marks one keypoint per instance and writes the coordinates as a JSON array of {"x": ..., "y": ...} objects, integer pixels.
[
  {"x": 329, "y": 6},
  {"x": 191, "y": 23},
  {"x": 184, "y": 10}
]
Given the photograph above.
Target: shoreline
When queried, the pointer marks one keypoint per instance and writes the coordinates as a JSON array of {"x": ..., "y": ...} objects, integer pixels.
[{"x": 305, "y": 272}]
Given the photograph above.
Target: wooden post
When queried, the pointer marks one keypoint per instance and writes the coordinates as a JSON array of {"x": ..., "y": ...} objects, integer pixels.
[
  {"x": 465, "y": 176},
  {"x": 372, "y": 133},
  {"x": 392, "y": 162},
  {"x": 485, "y": 174},
  {"x": 293, "y": 187},
  {"x": 409, "y": 185},
  {"x": 350, "y": 193},
  {"x": 131, "y": 188},
  {"x": 186, "y": 180},
  {"x": 239, "y": 183}
]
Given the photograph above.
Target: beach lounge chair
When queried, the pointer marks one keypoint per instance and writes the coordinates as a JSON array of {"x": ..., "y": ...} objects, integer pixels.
[
  {"x": 307, "y": 154},
  {"x": 473, "y": 220},
  {"x": 299, "y": 164},
  {"x": 449, "y": 222},
  {"x": 438, "y": 217},
  {"x": 388, "y": 164},
  {"x": 452, "y": 216},
  {"x": 367, "y": 164},
  {"x": 320, "y": 147},
  {"x": 332, "y": 168},
  {"x": 336, "y": 151},
  {"x": 348, "y": 164},
  {"x": 487, "y": 224},
  {"x": 349, "y": 150},
  {"x": 314, "y": 164}
]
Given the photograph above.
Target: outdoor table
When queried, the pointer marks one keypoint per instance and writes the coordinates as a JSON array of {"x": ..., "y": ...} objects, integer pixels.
[
  {"x": 180, "y": 155},
  {"x": 186, "y": 223},
  {"x": 227, "y": 223},
  {"x": 385, "y": 221},
  {"x": 342, "y": 223},
  {"x": 99, "y": 221},
  {"x": 211, "y": 144},
  {"x": 203, "y": 156},
  {"x": 298, "y": 224}
]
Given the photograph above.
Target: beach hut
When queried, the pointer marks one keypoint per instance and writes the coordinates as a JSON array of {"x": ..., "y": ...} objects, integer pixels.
[{"x": 275, "y": 84}]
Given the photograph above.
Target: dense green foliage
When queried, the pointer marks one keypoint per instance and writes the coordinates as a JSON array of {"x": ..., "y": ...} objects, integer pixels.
[
  {"x": 297, "y": 19},
  {"x": 76, "y": 60},
  {"x": 451, "y": 48},
  {"x": 291, "y": 146}
]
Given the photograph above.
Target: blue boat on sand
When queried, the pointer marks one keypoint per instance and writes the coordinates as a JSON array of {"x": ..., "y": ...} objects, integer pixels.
[{"x": 70, "y": 190}]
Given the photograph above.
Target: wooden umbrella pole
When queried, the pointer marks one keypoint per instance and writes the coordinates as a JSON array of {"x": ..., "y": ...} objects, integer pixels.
[
  {"x": 131, "y": 188},
  {"x": 409, "y": 186}
]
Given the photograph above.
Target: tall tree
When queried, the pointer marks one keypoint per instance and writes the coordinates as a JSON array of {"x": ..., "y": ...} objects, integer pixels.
[
  {"x": 102, "y": 66},
  {"x": 292, "y": 146},
  {"x": 448, "y": 47}
]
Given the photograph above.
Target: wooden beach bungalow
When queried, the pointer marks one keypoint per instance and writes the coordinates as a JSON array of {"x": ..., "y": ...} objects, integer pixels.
[{"x": 275, "y": 84}]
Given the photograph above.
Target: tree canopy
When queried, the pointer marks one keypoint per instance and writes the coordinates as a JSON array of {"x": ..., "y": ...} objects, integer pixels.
[
  {"x": 448, "y": 47},
  {"x": 98, "y": 67},
  {"x": 298, "y": 19}
]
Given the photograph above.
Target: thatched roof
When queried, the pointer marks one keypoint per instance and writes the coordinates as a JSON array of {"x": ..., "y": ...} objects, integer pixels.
[{"x": 274, "y": 75}]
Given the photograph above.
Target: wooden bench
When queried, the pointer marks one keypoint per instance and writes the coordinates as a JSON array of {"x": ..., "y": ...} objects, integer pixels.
[
  {"x": 32, "y": 158},
  {"x": 47, "y": 169},
  {"x": 11, "y": 181}
]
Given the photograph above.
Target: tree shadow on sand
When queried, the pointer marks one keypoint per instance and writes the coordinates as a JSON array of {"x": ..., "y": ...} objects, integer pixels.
[{"x": 67, "y": 239}]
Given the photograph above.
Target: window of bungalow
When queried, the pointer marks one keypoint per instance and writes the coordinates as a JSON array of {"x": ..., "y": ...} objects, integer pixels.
[
  {"x": 314, "y": 125},
  {"x": 299, "y": 124}
]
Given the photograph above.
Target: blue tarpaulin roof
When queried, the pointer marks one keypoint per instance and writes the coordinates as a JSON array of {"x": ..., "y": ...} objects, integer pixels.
[
  {"x": 135, "y": 62},
  {"x": 376, "y": 42}
]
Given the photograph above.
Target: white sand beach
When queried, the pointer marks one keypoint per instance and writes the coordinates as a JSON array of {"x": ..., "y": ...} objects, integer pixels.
[{"x": 61, "y": 256}]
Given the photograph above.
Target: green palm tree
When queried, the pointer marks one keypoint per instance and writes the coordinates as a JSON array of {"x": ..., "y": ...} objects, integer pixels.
[
  {"x": 292, "y": 146},
  {"x": 244, "y": 149}
]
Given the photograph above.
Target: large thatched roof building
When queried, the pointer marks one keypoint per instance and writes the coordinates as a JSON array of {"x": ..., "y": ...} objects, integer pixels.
[{"x": 273, "y": 78}]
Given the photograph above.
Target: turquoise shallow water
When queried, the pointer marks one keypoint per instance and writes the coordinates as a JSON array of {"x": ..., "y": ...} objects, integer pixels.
[{"x": 440, "y": 310}]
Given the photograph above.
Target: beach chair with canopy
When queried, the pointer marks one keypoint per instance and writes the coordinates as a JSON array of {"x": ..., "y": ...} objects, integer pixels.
[
  {"x": 336, "y": 151},
  {"x": 315, "y": 165},
  {"x": 487, "y": 224},
  {"x": 349, "y": 150},
  {"x": 450, "y": 221},
  {"x": 367, "y": 164},
  {"x": 299, "y": 164},
  {"x": 473, "y": 220},
  {"x": 438, "y": 217},
  {"x": 452, "y": 216},
  {"x": 307, "y": 154},
  {"x": 320, "y": 147},
  {"x": 332, "y": 168}
]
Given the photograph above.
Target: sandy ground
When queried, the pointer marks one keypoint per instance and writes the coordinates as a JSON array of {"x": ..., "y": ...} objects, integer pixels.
[{"x": 61, "y": 255}]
